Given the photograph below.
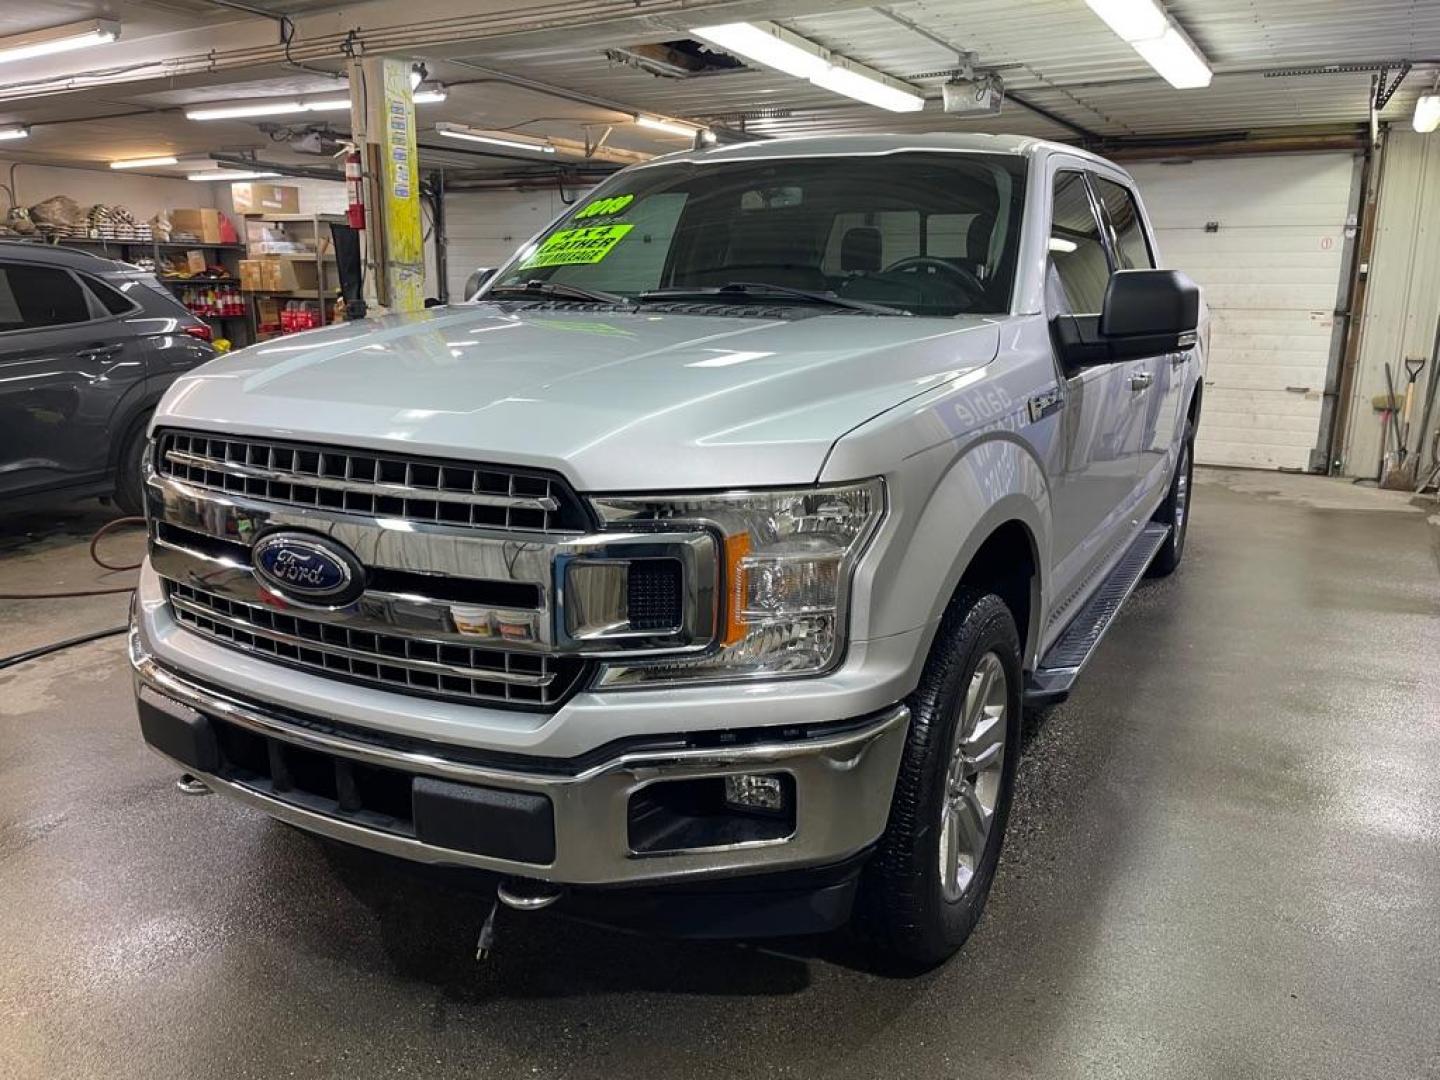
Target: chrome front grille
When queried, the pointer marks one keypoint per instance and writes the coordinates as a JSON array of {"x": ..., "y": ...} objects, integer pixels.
[
  {"x": 378, "y": 485},
  {"x": 444, "y": 669}
]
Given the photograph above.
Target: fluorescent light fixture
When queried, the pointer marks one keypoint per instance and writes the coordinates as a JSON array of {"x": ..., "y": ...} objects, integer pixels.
[
  {"x": 1132, "y": 20},
  {"x": 882, "y": 93},
  {"x": 144, "y": 162},
  {"x": 1427, "y": 113},
  {"x": 291, "y": 106},
  {"x": 767, "y": 44},
  {"x": 1176, "y": 58},
  {"x": 15, "y": 131},
  {"x": 1144, "y": 26},
  {"x": 507, "y": 139},
  {"x": 1063, "y": 246},
  {"x": 775, "y": 47},
  {"x": 58, "y": 39},
  {"x": 233, "y": 174},
  {"x": 670, "y": 127}
]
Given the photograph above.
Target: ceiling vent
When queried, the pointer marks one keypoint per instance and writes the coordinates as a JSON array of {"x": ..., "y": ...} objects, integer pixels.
[{"x": 682, "y": 59}]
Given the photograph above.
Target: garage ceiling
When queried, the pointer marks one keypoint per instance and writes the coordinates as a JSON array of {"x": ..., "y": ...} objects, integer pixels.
[{"x": 1068, "y": 76}]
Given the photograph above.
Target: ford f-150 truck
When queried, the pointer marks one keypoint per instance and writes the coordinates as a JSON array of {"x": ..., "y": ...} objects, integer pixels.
[{"x": 708, "y": 558}]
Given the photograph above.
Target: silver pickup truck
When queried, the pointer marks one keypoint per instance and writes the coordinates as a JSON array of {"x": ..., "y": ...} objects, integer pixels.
[{"x": 704, "y": 563}]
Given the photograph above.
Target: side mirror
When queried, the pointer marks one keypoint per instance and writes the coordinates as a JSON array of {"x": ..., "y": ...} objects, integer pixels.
[
  {"x": 1148, "y": 312},
  {"x": 477, "y": 279}
]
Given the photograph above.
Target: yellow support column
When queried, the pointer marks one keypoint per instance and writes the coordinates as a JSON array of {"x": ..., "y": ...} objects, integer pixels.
[{"x": 384, "y": 112}]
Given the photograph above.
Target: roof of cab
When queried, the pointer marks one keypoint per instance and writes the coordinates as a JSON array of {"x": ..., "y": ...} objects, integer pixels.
[{"x": 852, "y": 145}]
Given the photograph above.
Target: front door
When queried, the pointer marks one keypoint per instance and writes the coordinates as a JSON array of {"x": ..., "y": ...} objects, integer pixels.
[{"x": 1094, "y": 465}]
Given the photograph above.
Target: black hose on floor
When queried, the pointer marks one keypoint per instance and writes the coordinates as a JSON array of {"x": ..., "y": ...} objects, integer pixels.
[
  {"x": 46, "y": 650},
  {"x": 100, "y": 533},
  {"x": 94, "y": 635}
]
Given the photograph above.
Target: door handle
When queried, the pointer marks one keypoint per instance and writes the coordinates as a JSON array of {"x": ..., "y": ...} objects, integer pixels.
[
  {"x": 1178, "y": 358},
  {"x": 1141, "y": 380},
  {"x": 100, "y": 352}
]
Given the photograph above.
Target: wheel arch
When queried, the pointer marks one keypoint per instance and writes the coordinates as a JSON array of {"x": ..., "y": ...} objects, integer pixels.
[{"x": 988, "y": 507}]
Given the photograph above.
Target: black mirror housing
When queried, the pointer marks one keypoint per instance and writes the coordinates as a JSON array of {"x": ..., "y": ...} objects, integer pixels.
[
  {"x": 477, "y": 280},
  {"x": 1148, "y": 312}
]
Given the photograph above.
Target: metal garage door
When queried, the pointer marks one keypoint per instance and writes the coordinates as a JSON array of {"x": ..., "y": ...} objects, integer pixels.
[
  {"x": 1264, "y": 236},
  {"x": 483, "y": 228}
]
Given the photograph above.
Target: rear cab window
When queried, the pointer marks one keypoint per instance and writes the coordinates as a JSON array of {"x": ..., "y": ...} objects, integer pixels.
[{"x": 1127, "y": 230}]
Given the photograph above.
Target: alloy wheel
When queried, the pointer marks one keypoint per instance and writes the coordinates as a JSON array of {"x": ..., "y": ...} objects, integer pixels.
[{"x": 973, "y": 778}]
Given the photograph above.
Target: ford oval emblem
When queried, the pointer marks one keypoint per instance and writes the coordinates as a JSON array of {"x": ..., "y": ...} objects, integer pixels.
[{"x": 308, "y": 568}]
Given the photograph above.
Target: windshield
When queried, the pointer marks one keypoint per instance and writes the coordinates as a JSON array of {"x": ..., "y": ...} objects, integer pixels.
[{"x": 909, "y": 233}]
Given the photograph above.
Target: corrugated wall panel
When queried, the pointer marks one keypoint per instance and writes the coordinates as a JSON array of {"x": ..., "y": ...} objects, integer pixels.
[
  {"x": 1402, "y": 300},
  {"x": 483, "y": 228},
  {"x": 1270, "y": 273}
]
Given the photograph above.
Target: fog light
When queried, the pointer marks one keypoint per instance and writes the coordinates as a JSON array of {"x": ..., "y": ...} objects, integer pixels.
[{"x": 754, "y": 791}]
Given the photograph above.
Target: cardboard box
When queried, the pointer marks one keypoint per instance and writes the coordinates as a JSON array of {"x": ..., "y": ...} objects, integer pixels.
[
  {"x": 195, "y": 225},
  {"x": 265, "y": 199},
  {"x": 195, "y": 262},
  {"x": 296, "y": 275},
  {"x": 267, "y": 315},
  {"x": 250, "y": 275}
]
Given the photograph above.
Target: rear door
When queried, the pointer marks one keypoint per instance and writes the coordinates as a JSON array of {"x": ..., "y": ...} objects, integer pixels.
[
  {"x": 1158, "y": 403},
  {"x": 1094, "y": 467},
  {"x": 64, "y": 369}
]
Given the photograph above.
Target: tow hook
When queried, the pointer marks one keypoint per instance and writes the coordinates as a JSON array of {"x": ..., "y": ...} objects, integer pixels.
[
  {"x": 525, "y": 895},
  {"x": 189, "y": 785}
]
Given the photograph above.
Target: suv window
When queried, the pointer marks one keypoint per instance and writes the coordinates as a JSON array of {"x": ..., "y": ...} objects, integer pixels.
[
  {"x": 115, "y": 302},
  {"x": 37, "y": 296},
  {"x": 1077, "y": 253},
  {"x": 1126, "y": 232}
]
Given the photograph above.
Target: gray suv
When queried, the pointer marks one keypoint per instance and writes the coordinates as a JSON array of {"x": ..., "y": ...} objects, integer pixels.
[
  {"x": 87, "y": 347},
  {"x": 704, "y": 564}
]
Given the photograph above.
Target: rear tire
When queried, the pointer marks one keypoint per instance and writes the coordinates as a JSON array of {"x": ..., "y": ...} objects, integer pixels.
[
  {"x": 925, "y": 887},
  {"x": 129, "y": 478},
  {"x": 1175, "y": 510}
]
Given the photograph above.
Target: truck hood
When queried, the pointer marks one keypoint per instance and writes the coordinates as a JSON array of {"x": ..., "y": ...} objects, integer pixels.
[{"x": 615, "y": 401}]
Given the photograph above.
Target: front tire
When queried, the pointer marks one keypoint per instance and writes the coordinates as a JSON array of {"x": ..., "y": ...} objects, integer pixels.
[
  {"x": 926, "y": 886},
  {"x": 1175, "y": 510},
  {"x": 129, "y": 481}
]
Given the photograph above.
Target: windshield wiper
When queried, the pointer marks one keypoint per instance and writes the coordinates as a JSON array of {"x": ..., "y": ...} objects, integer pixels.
[
  {"x": 560, "y": 289},
  {"x": 761, "y": 288}
]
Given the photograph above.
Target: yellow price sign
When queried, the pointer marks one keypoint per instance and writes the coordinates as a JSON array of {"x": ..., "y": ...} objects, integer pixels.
[{"x": 572, "y": 247}]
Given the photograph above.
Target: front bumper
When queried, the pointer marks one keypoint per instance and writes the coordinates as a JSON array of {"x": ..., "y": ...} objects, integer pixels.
[{"x": 562, "y": 821}]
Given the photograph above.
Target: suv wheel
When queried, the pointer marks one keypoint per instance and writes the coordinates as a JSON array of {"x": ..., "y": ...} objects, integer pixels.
[
  {"x": 1175, "y": 510},
  {"x": 129, "y": 482},
  {"x": 926, "y": 885}
]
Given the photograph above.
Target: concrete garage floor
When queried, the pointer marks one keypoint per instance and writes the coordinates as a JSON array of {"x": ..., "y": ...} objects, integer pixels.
[{"x": 1224, "y": 861}]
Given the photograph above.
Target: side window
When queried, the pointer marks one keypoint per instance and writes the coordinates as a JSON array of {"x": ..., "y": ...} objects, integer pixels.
[
  {"x": 1126, "y": 231},
  {"x": 115, "y": 302},
  {"x": 1077, "y": 253},
  {"x": 39, "y": 296}
]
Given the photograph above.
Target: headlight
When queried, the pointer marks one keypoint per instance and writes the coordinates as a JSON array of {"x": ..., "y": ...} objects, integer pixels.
[{"x": 787, "y": 561}]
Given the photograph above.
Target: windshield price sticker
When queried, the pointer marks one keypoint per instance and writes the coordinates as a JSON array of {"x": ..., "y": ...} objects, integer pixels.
[
  {"x": 571, "y": 247},
  {"x": 605, "y": 207}
]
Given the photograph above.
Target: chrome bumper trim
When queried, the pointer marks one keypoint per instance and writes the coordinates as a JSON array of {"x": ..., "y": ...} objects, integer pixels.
[{"x": 843, "y": 783}]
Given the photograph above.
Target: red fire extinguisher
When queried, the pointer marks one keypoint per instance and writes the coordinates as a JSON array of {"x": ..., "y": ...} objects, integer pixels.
[{"x": 354, "y": 190}]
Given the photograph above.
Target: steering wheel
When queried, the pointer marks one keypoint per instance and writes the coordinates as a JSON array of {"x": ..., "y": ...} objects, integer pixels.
[{"x": 916, "y": 263}]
